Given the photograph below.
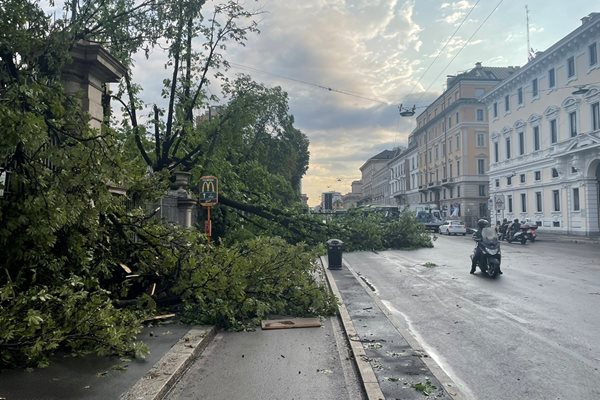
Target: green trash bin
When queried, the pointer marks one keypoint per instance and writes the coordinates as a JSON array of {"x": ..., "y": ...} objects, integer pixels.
[{"x": 334, "y": 253}]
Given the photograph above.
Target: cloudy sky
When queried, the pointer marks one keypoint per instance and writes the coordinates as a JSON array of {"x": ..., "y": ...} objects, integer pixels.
[{"x": 376, "y": 54}]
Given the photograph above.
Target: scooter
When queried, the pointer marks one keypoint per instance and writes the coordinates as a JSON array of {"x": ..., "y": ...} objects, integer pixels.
[
  {"x": 489, "y": 246},
  {"x": 515, "y": 234},
  {"x": 530, "y": 232}
]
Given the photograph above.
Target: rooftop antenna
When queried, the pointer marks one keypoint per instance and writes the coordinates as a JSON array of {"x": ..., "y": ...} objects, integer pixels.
[{"x": 530, "y": 52}]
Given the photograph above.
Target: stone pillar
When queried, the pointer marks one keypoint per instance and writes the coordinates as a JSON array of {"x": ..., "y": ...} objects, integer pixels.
[
  {"x": 91, "y": 68},
  {"x": 592, "y": 206}
]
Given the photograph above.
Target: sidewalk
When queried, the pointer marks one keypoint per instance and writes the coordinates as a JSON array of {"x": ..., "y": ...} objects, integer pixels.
[
  {"x": 94, "y": 377},
  {"x": 545, "y": 236}
]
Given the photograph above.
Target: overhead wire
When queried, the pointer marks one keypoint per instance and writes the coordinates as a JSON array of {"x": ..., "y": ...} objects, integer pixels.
[
  {"x": 461, "y": 49},
  {"x": 327, "y": 88},
  {"x": 443, "y": 47}
]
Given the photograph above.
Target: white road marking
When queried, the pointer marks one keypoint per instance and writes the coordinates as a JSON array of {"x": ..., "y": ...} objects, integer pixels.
[{"x": 439, "y": 360}]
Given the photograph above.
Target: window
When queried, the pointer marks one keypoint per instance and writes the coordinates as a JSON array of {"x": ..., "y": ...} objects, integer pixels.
[
  {"x": 458, "y": 169},
  {"x": 521, "y": 143},
  {"x": 449, "y": 122},
  {"x": 523, "y": 202},
  {"x": 495, "y": 110},
  {"x": 507, "y": 103},
  {"x": 551, "y": 78},
  {"x": 496, "y": 152},
  {"x": 538, "y": 175},
  {"x": 481, "y": 166},
  {"x": 595, "y": 116},
  {"x": 482, "y": 190},
  {"x": 553, "y": 131},
  {"x": 479, "y": 115},
  {"x": 556, "y": 200},
  {"x": 483, "y": 210},
  {"x": 520, "y": 95},
  {"x": 458, "y": 142},
  {"x": 480, "y": 139},
  {"x": 538, "y": 201},
  {"x": 593, "y": 54},
  {"x": 509, "y": 180},
  {"x": 573, "y": 123},
  {"x": 536, "y": 138},
  {"x": 451, "y": 170},
  {"x": 497, "y": 182},
  {"x": 509, "y": 197},
  {"x": 534, "y": 87},
  {"x": 571, "y": 67},
  {"x": 522, "y": 178},
  {"x": 458, "y": 191},
  {"x": 575, "y": 199},
  {"x": 554, "y": 173},
  {"x": 507, "y": 148}
]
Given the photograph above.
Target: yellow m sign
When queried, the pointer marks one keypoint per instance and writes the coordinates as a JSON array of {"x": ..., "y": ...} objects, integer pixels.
[{"x": 209, "y": 190}]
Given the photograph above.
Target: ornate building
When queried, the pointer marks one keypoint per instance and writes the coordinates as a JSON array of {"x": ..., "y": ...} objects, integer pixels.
[{"x": 545, "y": 136}]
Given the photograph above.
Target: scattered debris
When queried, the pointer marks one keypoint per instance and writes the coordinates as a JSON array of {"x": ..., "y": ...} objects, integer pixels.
[
  {"x": 392, "y": 379},
  {"x": 159, "y": 317},
  {"x": 429, "y": 264},
  {"x": 426, "y": 388},
  {"x": 324, "y": 371},
  {"x": 291, "y": 323}
]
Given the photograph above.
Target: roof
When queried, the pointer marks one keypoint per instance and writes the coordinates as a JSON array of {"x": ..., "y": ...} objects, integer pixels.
[
  {"x": 384, "y": 155},
  {"x": 480, "y": 73}
]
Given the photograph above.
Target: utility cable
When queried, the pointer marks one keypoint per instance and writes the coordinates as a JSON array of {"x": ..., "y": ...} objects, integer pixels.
[
  {"x": 327, "y": 88},
  {"x": 461, "y": 49},
  {"x": 443, "y": 48}
]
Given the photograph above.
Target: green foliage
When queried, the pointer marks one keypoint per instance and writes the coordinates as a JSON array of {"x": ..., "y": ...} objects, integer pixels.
[
  {"x": 360, "y": 230},
  {"x": 66, "y": 316},
  {"x": 237, "y": 286}
]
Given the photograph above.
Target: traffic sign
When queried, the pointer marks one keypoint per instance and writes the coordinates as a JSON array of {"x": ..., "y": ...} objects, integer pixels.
[{"x": 499, "y": 202}]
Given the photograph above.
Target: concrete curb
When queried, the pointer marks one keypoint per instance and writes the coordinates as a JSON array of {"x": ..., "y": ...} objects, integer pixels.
[
  {"x": 449, "y": 385},
  {"x": 155, "y": 384},
  {"x": 369, "y": 380}
]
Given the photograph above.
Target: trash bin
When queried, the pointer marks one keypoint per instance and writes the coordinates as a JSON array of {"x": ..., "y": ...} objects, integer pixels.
[{"x": 334, "y": 253}]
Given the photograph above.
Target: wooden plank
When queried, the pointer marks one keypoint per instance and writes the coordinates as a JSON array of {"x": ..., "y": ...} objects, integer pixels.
[{"x": 291, "y": 323}]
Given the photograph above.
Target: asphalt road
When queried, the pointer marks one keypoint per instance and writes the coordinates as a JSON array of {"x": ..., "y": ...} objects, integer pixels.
[{"x": 533, "y": 333}]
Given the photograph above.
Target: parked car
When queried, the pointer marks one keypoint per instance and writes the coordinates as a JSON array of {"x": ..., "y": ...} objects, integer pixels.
[{"x": 453, "y": 228}]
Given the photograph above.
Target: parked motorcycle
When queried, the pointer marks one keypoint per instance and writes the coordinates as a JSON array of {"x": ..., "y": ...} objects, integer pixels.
[
  {"x": 514, "y": 233},
  {"x": 530, "y": 232},
  {"x": 489, "y": 246}
]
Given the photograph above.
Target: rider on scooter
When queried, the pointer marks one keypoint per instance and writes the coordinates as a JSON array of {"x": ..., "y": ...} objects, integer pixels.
[{"x": 482, "y": 223}]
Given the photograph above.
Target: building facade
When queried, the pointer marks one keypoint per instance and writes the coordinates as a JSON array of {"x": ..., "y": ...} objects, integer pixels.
[
  {"x": 373, "y": 191},
  {"x": 451, "y": 140},
  {"x": 545, "y": 136}
]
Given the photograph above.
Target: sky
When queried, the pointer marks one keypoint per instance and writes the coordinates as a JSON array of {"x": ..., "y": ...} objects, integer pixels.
[{"x": 348, "y": 64}]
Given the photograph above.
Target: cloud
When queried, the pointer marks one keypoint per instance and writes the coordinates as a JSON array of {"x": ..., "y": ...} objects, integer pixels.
[{"x": 454, "y": 12}]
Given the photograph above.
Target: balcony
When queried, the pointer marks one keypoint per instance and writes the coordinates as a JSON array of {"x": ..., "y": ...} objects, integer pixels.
[{"x": 448, "y": 182}]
